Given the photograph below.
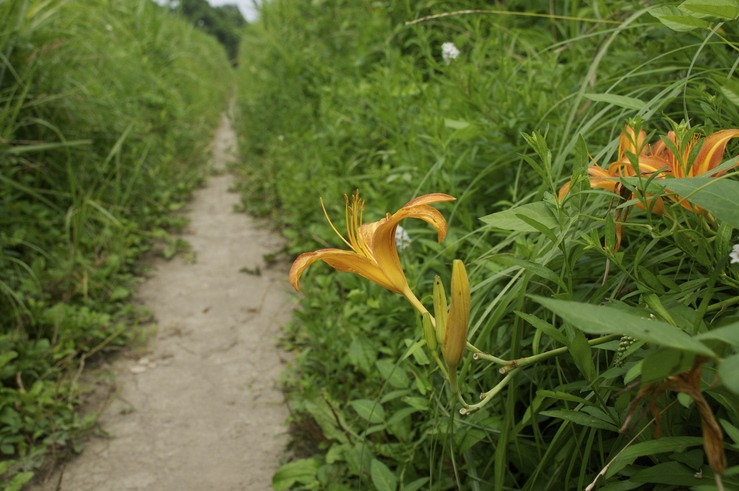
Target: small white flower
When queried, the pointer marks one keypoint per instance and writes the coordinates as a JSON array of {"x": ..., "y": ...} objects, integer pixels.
[
  {"x": 734, "y": 254},
  {"x": 449, "y": 52},
  {"x": 402, "y": 239}
]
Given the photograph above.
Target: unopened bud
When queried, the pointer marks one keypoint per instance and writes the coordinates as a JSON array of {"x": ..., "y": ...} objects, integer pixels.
[
  {"x": 440, "y": 309},
  {"x": 455, "y": 339},
  {"x": 429, "y": 332}
]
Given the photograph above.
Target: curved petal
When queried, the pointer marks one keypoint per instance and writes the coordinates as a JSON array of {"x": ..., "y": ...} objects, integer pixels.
[
  {"x": 631, "y": 144},
  {"x": 608, "y": 184},
  {"x": 427, "y": 199},
  {"x": 712, "y": 151},
  {"x": 381, "y": 238},
  {"x": 564, "y": 190},
  {"x": 349, "y": 262},
  {"x": 662, "y": 150},
  {"x": 345, "y": 261}
]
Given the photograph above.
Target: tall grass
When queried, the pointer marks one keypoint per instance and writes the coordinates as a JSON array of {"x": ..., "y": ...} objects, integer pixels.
[
  {"x": 106, "y": 109},
  {"x": 358, "y": 98}
]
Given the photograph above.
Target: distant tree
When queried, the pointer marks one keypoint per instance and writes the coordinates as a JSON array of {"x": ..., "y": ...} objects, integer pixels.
[{"x": 224, "y": 23}]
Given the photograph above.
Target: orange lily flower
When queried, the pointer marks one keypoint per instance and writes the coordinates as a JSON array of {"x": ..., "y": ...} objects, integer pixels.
[
  {"x": 632, "y": 149},
  {"x": 636, "y": 157},
  {"x": 708, "y": 158},
  {"x": 373, "y": 253}
]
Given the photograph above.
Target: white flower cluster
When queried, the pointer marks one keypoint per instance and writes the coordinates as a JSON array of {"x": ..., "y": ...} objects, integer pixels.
[
  {"x": 734, "y": 254},
  {"x": 449, "y": 52},
  {"x": 402, "y": 239}
]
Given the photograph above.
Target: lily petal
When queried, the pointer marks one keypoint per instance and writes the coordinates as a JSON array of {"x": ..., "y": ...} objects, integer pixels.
[
  {"x": 712, "y": 151},
  {"x": 631, "y": 144},
  {"x": 346, "y": 261}
]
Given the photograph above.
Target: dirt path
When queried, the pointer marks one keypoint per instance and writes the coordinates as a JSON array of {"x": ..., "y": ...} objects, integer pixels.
[{"x": 199, "y": 408}]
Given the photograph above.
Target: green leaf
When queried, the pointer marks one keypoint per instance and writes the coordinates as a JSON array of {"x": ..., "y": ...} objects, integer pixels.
[
  {"x": 723, "y": 9},
  {"x": 362, "y": 353},
  {"x": 324, "y": 416},
  {"x": 394, "y": 374},
  {"x": 728, "y": 334},
  {"x": 730, "y": 430},
  {"x": 728, "y": 370},
  {"x": 543, "y": 326},
  {"x": 715, "y": 195},
  {"x": 531, "y": 267},
  {"x": 563, "y": 396},
  {"x": 665, "y": 362},
  {"x": 582, "y": 356},
  {"x": 597, "y": 319},
  {"x": 677, "y": 20},
  {"x": 730, "y": 89},
  {"x": 510, "y": 219},
  {"x": 618, "y": 100},
  {"x": 668, "y": 473},
  {"x": 370, "y": 411},
  {"x": 666, "y": 444},
  {"x": 416, "y": 485},
  {"x": 298, "y": 472},
  {"x": 456, "y": 124},
  {"x": 580, "y": 418},
  {"x": 382, "y": 477}
]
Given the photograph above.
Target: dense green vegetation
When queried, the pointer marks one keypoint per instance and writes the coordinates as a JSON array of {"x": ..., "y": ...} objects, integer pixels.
[
  {"x": 107, "y": 110},
  {"x": 224, "y": 22},
  {"x": 615, "y": 314}
]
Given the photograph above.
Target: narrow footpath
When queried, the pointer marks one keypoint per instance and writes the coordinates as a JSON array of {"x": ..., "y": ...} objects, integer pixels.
[{"x": 199, "y": 408}]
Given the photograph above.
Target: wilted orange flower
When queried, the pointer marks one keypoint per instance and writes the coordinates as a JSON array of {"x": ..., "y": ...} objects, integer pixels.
[{"x": 373, "y": 253}]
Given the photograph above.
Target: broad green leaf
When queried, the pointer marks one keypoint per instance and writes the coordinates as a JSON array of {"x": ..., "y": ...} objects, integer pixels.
[
  {"x": 723, "y": 9},
  {"x": 730, "y": 430},
  {"x": 416, "y": 350},
  {"x": 322, "y": 413},
  {"x": 301, "y": 471},
  {"x": 394, "y": 374},
  {"x": 415, "y": 485},
  {"x": 666, "y": 444},
  {"x": 543, "y": 326},
  {"x": 456, "y": 124},
  {"x": 370, "y": 411},
  {"x": 618, "y": 100},
  {"x": 728, "y": 334},
  {"x": 382, "y": 477},
  {"x": 668, "y": 473},
  {"x": 676, "y": 19},
  {"x": 359, "y": 458},
  {"x": 531, "y": 267},
  {"x": 563, "y": 396},
  {"x": 665, "y": 362},
  {"x": 730, "y": 89},
  {"x": 362, "y": 353},
  {"x": 596, "y": 319},
  {"x": 6, "y": 357},
  {"x": 510, "y": 219},
  {"x": 580, "y": 418},
  {"x": 728, "y": 370},
  {"x": 715, "y": 195},
  {"x": 582, "y": 355}
]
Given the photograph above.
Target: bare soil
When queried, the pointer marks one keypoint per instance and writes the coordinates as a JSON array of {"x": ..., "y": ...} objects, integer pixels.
[{"x": 199, "y": 407}]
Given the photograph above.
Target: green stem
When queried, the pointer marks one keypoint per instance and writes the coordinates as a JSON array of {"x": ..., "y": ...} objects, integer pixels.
[
  {"x": 478, "y": 354},
  {"x": 486, "y": 397},
  {"x": 511, "y": 365}
]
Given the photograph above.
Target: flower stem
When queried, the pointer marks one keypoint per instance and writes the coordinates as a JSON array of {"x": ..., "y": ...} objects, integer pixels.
[
  {"x": 486, "y": 397},
  {"x": 511, "y": 365}
]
